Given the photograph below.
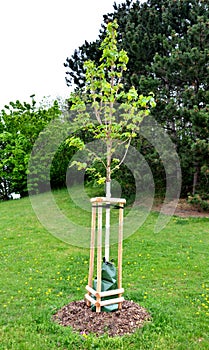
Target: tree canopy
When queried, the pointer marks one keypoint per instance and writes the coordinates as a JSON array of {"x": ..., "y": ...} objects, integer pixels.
[
  {"x": 104, "y": 108},
  {"x": 167, "y": 42},
  {"x": 20, "y": 125}
]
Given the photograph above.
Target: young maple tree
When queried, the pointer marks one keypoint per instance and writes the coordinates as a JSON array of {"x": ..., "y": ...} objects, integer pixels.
[{"x": 106, "y": 110}]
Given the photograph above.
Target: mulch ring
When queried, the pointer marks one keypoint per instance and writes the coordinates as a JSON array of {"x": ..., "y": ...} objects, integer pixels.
[{"x": 82, "y": 319}]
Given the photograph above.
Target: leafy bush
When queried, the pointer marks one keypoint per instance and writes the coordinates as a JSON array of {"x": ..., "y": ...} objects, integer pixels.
[{"x": 200, "y": 202}]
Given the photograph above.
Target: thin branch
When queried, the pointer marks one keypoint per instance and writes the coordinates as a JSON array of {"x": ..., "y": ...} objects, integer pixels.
[
  {"x": 125, "y": 154},
  {"x": 97, "y": 157}
]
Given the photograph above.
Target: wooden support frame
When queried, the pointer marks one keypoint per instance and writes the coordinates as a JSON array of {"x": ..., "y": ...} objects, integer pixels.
[{"x": 94, "y": 297}]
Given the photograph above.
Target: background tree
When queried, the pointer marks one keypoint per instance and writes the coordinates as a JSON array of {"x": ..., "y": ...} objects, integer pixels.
[
  {"x": 20, "y": 125},
  {"x": 168, "y": 48}
]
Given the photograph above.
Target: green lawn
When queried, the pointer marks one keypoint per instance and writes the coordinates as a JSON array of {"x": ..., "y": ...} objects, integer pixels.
[{"x": 166, "y": 272}]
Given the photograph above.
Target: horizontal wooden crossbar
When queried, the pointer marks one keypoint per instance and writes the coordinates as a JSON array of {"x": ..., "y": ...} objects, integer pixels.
[
  {"x": 108, "y": 200},
  {"x": 104, "y": 302},
  {"x": 91, "y": 290},
  {"x": 89, "y": 298},
  {"x": 111, "y": 301},
  {"x": 106, "y": 293}
]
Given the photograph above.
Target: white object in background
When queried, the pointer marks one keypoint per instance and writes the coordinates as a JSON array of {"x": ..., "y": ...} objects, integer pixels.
[{"x": 15, "y": 195}]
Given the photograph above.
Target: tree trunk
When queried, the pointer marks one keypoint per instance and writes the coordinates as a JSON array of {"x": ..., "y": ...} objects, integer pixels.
[
  {"x": 108, "y": 195},
  {"x": 195, "y": 177}
]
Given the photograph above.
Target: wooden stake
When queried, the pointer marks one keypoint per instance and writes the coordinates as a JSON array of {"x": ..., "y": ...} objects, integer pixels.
[
  {"x": 92, "y": 246},
  {"x": 120, "y": 251},
  {"x": 99, "y": 257}
]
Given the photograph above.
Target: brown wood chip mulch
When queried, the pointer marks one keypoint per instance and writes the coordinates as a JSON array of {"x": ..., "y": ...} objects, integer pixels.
[{"x": 82, "y": 319}]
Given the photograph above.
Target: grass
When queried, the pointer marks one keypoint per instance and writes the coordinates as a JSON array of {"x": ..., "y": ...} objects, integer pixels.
[{"x": 167, "y": 273}]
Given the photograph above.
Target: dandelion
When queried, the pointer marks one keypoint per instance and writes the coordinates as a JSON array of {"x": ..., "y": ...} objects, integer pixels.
[
  {"x": 84, "y": 335},
  {"x": 48, "y": 291}
]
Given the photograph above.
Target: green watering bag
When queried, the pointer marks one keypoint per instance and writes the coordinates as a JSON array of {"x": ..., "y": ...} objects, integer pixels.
[{"x": 109, "y": 282}]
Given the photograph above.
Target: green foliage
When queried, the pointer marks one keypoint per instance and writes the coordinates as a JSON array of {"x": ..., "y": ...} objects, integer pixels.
[
  {"x": 200, "y": 202},
  {"x": 115, "y": 115},
  {"x": 20, "y": 125}
]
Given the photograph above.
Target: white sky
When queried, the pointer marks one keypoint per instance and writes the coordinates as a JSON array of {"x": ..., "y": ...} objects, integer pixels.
[{"x": 36, "y": 37}]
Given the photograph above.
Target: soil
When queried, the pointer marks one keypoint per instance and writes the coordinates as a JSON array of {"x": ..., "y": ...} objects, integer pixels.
[
  {"x": 182, "y": 209},
  {"x": 82, "y": 319}
]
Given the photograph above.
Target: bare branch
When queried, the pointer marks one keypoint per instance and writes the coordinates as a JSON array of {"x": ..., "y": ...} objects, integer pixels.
[{"x": 125, "y": 154}]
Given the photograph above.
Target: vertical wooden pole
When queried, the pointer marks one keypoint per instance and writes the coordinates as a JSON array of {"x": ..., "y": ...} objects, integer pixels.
[
  {"x": 120, "y": 250},
  {"x": 92, "y": 247},
  {"x": 99, "y": 256}
]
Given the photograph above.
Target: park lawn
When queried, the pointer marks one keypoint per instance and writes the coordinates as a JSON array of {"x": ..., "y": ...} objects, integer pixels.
[{"x": 166, "y": 272}]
